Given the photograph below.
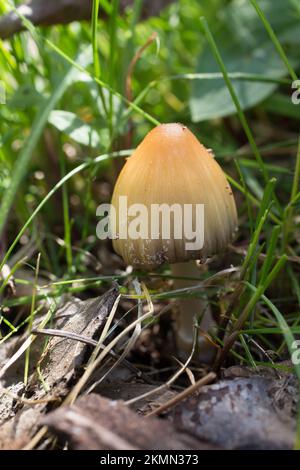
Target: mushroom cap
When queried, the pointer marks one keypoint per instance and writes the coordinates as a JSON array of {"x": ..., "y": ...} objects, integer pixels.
[{"x": 171, "y": 166}]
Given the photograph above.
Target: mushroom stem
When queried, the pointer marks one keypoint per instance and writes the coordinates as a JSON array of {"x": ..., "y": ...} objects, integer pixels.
[{"x": 189, "y": 308}]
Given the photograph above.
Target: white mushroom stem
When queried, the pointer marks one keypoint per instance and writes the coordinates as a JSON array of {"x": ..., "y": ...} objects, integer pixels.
[{"x": 189, "y": 308}]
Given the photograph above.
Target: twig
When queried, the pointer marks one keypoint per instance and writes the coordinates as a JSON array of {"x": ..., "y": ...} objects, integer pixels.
[
  {"x": 45, "y": 13},
  {"x": 129, "y": 94},
  {"x": 184, "y": 394},
  {"x": 27, "y": 401},
  {"x": 136, "y": 57},
  {"x": 36, "y": 438}
]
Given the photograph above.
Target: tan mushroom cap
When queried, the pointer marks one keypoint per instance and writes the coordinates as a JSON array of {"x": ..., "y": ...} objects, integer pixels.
[{"x": 171, "y": 166}]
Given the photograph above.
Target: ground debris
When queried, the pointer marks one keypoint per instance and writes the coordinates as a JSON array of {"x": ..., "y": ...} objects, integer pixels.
[
  {"x": 60, "y": 364},
  {"x": 127, "y": 391},
  {"x": 96, "y": 423},
  {"x": 254, "y": 411},
  {"x": 248, "y": 408}
]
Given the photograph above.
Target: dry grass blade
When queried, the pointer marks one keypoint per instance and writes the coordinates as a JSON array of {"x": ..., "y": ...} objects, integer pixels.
[
  {"x": 65, "y": 334},
  {"x": 130, "y": 343},
  {"x": 188, "y": 371},
  {"x": 90, "y": 342},
  {"x": 36, "y": 438},
  {"x": 94, "y": 360},
  {"x": 80, "y": 384},
  {"x": 184, "y": 394},
  {"x": 27, "y": 343},
  {"x": 166, "y": 385}
]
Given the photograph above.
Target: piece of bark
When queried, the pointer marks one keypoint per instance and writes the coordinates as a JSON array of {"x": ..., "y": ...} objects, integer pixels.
[
  {"x": 60, "y": 365},
  {"x": 66, "y": 356},
  {"x": 45, "y": 13},
  {"x": 249, "y": 412},
  {"x": 96, "y": 423}
]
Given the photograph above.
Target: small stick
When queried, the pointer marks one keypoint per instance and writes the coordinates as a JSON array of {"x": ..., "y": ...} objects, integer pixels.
[
  {"x": 132, "y": 64},
  {"x": 184, "y": 394},
  {"x": 131, "y": 67},
  {"x": 27, "y": 401},
  {"x": 36, "y": 438}
]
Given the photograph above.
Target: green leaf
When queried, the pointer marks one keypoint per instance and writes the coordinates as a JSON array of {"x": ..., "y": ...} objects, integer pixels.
[
  {"x": 25, "y": 97},
  {"x": 246, "y": 48},
  {"x": 74, "y": 127},
  {"x": 40, "y": 121}
]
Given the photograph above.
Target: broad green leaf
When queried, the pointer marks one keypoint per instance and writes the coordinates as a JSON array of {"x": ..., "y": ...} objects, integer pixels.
[
  {"x": 25, "y": 96},
  {"x": 74, "y": 127},
  {"x": 245, "y": 47}
]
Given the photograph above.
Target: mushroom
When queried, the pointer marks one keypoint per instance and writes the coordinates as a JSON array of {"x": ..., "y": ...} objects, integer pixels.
[{"x": 172, "y": 170}]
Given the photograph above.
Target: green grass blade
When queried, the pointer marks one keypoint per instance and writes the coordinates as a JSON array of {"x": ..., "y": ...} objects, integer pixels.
[
  {"x": 66, "y": 214},
  {"x": 31, "y": 318},
  {"x": 254, "y": 242},
  {"x": 289, "y": 210},
  {"x": 95, "y": 14},
  {"x": 246, "y": 192},
  {"x": 58, "y": 185},
  {"x": 274, "y": 39},
  {"x": 259, "y": 292},
  {"x": 267, "y": 198},
  {"x": 30, "y": 27},
  {"x": 234, "y": 97},
  {"x": 26, "y": 154},
  {"x": 112, "y": 53},
  {"x": 270, "y": 254},
  {"x": 96, "y": 59}
]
